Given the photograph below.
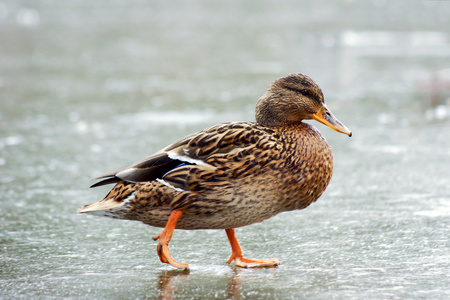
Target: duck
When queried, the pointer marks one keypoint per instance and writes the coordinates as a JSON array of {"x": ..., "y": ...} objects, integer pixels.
[{"x": 232, "y": 174}]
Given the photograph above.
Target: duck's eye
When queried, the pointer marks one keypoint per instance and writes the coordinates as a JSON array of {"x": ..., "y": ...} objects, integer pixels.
[{"x": 304, "y": 92}]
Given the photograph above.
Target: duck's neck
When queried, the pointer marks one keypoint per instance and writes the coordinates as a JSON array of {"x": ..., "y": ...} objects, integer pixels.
[
  {"x": 271, "y": 110},
  {"x": 265, "y": 113}
]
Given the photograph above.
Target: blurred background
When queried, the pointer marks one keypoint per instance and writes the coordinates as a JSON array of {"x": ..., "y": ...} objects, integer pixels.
[{"x": 91, "y": 86}]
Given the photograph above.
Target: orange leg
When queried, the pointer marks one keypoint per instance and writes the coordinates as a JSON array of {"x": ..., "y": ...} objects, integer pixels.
[
  {"x": 241, "y": 261},
  {"x": 164, "y": 239}
]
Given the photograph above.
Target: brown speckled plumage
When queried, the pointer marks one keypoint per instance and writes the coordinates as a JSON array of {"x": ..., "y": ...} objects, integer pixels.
[{"x": 233, "y": 174}]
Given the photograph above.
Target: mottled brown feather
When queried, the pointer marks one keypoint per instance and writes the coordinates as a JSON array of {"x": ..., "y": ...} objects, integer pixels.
[{"x": 232, "y": 174}]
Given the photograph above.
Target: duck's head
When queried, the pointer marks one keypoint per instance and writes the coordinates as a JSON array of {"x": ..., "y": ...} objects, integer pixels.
[{"x": 294, "y": 98}]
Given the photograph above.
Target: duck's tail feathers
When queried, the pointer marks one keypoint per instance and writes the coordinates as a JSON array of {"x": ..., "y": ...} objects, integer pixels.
[{"x": 106, "y": 207}]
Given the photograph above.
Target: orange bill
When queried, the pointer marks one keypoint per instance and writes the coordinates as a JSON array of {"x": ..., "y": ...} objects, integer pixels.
[{"x": 325, "y": 116}]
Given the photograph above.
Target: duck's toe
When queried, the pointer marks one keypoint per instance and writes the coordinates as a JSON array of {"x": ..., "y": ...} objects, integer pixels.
[
  {"x": 166, "y": 257},
  {"x": 243, "y": 262}
]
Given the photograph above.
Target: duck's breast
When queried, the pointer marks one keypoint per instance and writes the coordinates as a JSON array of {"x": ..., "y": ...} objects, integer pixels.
[{"x": 309, "y": 165}]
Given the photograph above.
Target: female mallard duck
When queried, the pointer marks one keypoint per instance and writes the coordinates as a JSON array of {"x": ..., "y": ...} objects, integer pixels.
[{"x": 232, "y": 174}]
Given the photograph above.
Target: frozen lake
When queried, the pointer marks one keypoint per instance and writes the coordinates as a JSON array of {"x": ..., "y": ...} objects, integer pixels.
[{"x": 87, "y": 87}]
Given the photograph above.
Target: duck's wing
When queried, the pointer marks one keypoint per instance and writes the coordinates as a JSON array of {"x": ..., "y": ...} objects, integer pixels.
[
  {"x": 221, "y": 154},
  {"x": 203, "y": 152}
]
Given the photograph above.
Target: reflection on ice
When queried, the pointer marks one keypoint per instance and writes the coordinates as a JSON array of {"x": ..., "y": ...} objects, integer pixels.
[
  {"x": 355, "y": 45},
  {"x": 13, "y": 140},
  {"x": 441, "y": 212},
  {"x": 397, "y": 41},
  {"x": 27, "y": 17},
  {"x": 438, "y": 113}
]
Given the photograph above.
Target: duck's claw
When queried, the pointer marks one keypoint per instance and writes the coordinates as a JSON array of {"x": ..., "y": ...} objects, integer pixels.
[
  {"x": 166, "y": 257},
  {"x": 256, "y": 263}
]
